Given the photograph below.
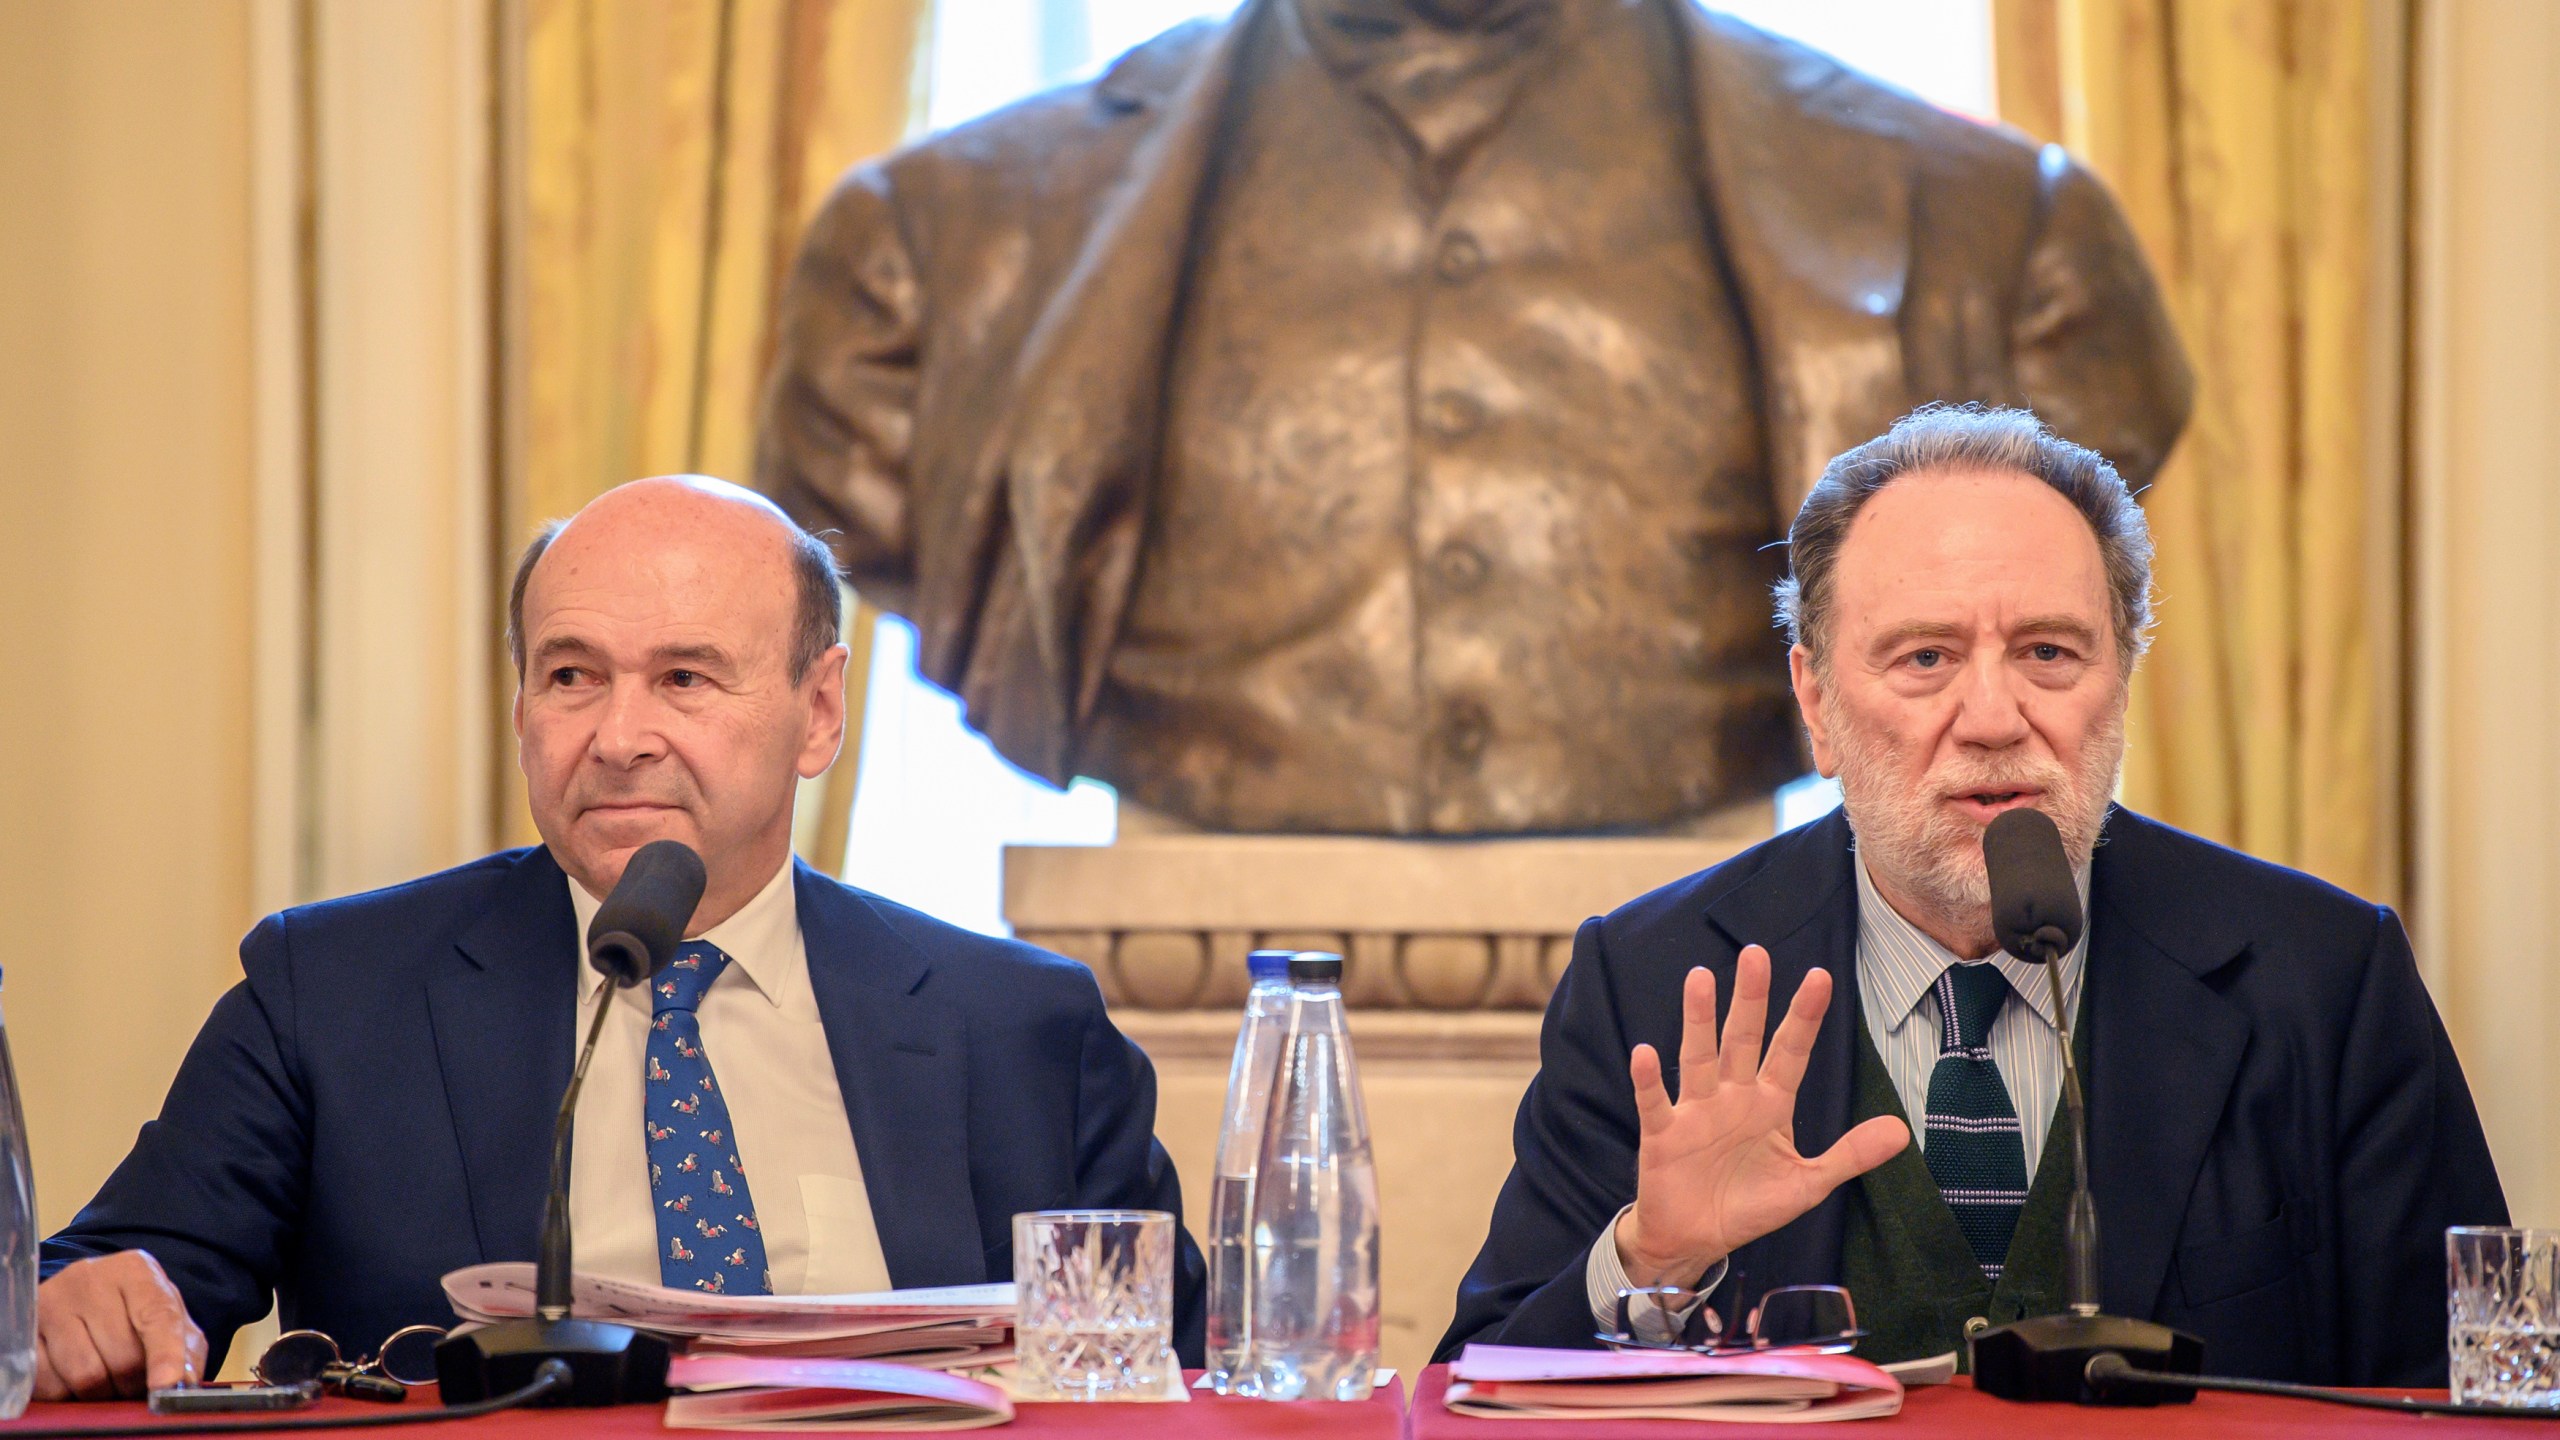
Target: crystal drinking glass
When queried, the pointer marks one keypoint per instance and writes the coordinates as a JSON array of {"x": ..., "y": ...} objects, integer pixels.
[
  {"x": 2502, "y": 1303},
  {"x": 1096, "y": 1296}
]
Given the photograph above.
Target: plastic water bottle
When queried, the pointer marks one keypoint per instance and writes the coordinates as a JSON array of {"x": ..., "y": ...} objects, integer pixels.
[
  {"x": 17, "y": 1247},
  {"x": 1315, "y": 1207},
  {"x": 1266, "y": 1023}
]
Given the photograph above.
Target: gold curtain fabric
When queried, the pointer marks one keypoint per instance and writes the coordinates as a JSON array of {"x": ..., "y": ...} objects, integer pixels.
[
  {"x": 671, "y": 153},
  {"x": 2254, "y": 145}
]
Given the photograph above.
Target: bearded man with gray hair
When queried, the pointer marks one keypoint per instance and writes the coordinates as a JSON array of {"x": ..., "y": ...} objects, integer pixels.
[{"x": 2279, "y": 1129}]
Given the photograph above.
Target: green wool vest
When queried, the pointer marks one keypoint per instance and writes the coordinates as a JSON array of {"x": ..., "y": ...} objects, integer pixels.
[{"x": 1906, "y": 1265}]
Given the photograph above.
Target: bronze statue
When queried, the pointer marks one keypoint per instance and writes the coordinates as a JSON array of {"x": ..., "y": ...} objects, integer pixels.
[{"x": 1371, "y": 415}]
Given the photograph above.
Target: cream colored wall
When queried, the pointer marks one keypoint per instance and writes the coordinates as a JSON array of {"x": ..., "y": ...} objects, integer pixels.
[
  {"x": 125, "y": 554},
  {"x": 2486, "y": 551}
]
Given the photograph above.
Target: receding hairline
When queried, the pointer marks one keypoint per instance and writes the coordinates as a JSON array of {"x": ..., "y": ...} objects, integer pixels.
[{"x": 810, "y": 564}]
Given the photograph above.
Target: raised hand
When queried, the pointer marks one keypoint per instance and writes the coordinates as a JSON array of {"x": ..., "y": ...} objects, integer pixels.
[{"x": 1719, "y": 1168}]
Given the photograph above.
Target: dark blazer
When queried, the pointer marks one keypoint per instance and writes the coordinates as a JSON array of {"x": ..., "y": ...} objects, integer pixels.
[
  {"x": 371, "y": 1107},
  {"x": 971, "y": 349},
  {"x": 2279, "y": 1131}
]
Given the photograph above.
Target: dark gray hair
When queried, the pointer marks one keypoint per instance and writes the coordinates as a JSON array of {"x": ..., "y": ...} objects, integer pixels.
[
  {"x": 1968, "y": 437},
  {"x": 813, "y": 634}
]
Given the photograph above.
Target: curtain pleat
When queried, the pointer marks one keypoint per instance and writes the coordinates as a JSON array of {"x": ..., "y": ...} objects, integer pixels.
[
  {"x": 673, "y": 151},
  {"x": 2253, "y": 145}
]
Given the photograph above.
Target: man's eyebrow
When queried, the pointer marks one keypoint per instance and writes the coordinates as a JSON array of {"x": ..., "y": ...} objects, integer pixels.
[
  {"x": 2068, "y": 625},
  {"x": 702, "y": 654},
  {"x": 559, "y": 645},
  {"x": 1917, "y": 630}
]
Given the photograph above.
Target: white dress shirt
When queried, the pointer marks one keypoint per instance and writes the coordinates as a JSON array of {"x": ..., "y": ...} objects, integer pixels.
[
  {"x": 1898, "y": 969},
  {"x": 763, "y": 1037}
]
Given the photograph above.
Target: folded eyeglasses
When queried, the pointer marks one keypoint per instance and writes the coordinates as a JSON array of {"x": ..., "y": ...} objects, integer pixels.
[
  {"x": 1817, "y": 1318},
  {"x": 307, "y": 1357}
]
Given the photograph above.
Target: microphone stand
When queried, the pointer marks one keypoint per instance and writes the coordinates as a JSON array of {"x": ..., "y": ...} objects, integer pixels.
[
  {"x": 608, "y": 1364},
  {"x": 2051, "y": 1357}
]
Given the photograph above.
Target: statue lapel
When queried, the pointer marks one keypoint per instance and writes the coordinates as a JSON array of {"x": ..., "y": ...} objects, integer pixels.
[
  {"x": 1813, "y": 204},
  {"x": 1075, "y": 454}
]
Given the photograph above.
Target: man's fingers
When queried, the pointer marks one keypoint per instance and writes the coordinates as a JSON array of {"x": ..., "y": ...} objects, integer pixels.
[
  {"x": 119, "y": 1345},
  {"x": 67, "y": 1349},
  {"x": 49, "y": 1384},
  {"x": 1653, "y": 1107},
  {"x": 173, "y": 1349},
  {"x": 1697, "y": 1033},
  {"x": 1792, "y": 1047},
  {"x": 1748, "y": 1018},
  {"x": 1865, "y": 1147}
]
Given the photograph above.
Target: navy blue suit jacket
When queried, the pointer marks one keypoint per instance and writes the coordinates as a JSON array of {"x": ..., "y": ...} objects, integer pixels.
[
  {"x": 371, "y": 1106},
  {"x": 2279, "y": 1131}
]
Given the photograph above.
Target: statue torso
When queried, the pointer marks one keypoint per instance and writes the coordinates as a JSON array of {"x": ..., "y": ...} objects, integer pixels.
[{"x": 1459, "y": 519}]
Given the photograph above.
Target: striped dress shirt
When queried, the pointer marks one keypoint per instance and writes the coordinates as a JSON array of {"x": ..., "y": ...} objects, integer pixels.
[{"x": 1898, "y": 969}]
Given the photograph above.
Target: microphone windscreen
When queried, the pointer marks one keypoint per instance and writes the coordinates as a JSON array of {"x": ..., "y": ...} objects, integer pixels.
[
  {"x": 2035, "y": 906},
  {"x": 636, "y": 931}
]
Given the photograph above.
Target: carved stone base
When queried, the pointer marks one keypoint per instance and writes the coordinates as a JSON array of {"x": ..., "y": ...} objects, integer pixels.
[{"x": 1165, "y": 921}]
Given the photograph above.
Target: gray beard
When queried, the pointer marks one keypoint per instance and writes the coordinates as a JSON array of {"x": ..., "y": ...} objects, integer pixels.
[{"x": 1930, "y": 856}]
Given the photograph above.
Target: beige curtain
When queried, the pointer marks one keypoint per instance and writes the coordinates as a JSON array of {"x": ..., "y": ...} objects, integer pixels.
[
  {"x": 670, "y": 154},
  {"x": 2256, "y": 146}
]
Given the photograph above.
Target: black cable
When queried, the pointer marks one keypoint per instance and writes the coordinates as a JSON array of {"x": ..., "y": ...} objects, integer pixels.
[
  {"x": 552, "y": 1375},
  {"x": 2109, "y": 1368}
]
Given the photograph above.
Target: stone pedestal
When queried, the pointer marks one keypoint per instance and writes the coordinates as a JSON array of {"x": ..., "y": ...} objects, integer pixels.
[{"x": 1451, "y": 949}]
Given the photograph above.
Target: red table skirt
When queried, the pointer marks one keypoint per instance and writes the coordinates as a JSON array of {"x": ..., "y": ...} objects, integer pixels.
[
  {"x": 1205, "y": 1417},
  {"x": 1942, "y": 1412}
]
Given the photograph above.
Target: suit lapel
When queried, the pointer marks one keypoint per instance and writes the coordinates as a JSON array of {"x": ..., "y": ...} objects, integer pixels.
[
  {"x": 1822, "y": 266},
  {"x": 1802, "y": 906},
  {"x": 902, "y": 1063},
  {"x": 1075, "y": 454},
  {"x": 2164, "y": 1050},
  {"x": 503, "y": 1008}
]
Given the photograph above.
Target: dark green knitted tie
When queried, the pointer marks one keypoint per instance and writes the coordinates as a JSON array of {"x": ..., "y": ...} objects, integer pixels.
[{"x": 1973, "y": 1146}]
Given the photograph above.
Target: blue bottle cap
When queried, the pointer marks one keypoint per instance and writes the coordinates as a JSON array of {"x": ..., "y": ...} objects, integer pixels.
[{"x": 1264, "y": 965}]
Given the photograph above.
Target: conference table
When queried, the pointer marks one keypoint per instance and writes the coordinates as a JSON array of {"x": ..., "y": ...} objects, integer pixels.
[{"x": 1942, "y": 1412}]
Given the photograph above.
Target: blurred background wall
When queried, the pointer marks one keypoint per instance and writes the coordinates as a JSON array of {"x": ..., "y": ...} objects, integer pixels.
[{"x": 310, "y": 308}]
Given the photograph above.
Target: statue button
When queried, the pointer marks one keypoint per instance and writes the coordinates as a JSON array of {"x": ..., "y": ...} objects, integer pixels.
[
  {"x": 1459, "y": 565},
  {"x": 1461, "y": 258},
  {"x": 1464, "y": 732},
  {"x": 1453, "y": 414}
]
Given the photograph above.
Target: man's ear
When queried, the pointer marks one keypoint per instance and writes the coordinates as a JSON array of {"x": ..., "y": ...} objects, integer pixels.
[
  {"x": 1806, "y": 678},
  {"x": 827, "y": 718}
]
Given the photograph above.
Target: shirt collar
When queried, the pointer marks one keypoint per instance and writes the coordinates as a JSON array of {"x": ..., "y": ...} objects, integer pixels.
[
  {"x": 1900, "y": 963},
  {"x": 1446, "y": 73},
  {"x": 761, "y": 940}
]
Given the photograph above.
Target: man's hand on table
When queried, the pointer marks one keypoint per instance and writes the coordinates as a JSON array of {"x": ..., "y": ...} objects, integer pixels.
[
  {"x": 111, "y": 1328},
  {"x": 1719, "y": 1168}
]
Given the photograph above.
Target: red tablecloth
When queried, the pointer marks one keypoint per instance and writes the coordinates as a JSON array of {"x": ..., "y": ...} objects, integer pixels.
[
  {"x": 1206, "y": 1417},
  {"x": 1958, "y": 1410}
]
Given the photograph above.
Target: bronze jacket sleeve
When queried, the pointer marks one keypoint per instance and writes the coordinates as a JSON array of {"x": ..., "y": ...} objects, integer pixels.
[{"x": 839, "y": 410}]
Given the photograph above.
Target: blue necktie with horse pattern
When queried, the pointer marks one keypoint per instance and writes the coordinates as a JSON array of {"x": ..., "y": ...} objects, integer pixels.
[{"x": 707, "y": 1233}]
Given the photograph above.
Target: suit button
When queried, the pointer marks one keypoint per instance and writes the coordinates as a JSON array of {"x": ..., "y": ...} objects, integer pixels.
[
  {"x": 1461, "y": 259},
  {"x": 1459, "y": 566},
  {"x": 1453, "y": 414},
  {"x": 1464, "y": 730}
]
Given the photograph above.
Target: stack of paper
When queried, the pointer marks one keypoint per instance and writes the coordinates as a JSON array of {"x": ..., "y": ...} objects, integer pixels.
[
  {"x": 757, "y": 1392},
  {"x": 961, "y": 1326},
  {"x": 1768, "y": 1386}
]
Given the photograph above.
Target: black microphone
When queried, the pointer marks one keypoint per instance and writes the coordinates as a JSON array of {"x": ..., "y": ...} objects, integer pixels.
[
  {"x": 2036, "y": 916},
  {"x": 637, "y": 929},
  {"x": 633, "y": 937}
]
